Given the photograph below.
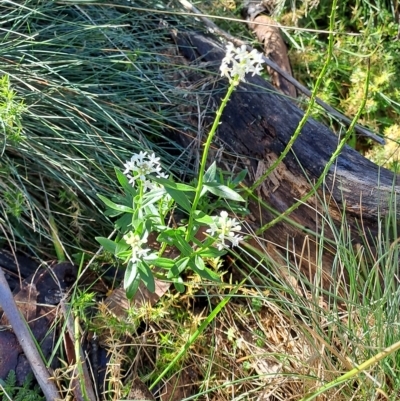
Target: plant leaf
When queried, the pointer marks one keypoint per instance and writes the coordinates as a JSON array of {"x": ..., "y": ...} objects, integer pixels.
[
  {"x": 168, "y": 236},
  {"x": 182, "y": 244},
  {"x": 132, "y": 289},
  {"x": 178, "y": 268},
  {"x": 211, "y": 253},
  {"x": 164, "y": 263},
  {"x": 199, "y": 262},
  {"x": 107, "y": 244},
  {"x": 178, "y": 284},
  {"x": 240, "y": 177},
  {"x": 223, "y": 191},
  {"x": 205, "y": 219},
  {"x": 210, "y": 275},
  {"x": 180, "y": 198},
  {"x": 130, "y": 274},
  {"x": 124, "y": 182},
  {"x": 114, "y": 206},
  {"x": 124, "y": 222},
  {"x": 121, "y": 249},
  {"x": 153, "y": 196},
  {"x": 174, "y": 185},
  {"x": 146, "y": 276},
  {"x": 209, "y": 175}
]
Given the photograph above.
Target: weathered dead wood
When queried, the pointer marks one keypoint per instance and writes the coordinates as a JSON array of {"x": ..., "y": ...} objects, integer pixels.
[
  {"x": 268, "y": 33},
  {"x": 257, "y": 124}
]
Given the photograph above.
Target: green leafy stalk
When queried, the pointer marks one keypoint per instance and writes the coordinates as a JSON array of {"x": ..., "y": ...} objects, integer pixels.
[
  {"x": 77, "y": 347},
  {"x": 203, "y": 163},
  {"x": 324, "y": 173},
  {"x": 56, "y": 240},
  {"x": 311, "y": 104}
]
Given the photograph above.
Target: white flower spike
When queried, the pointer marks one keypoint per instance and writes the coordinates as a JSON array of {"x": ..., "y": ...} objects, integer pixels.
[
  {"x": 238, "y": 62},
  {"x": 141, "y": 166},
  {"x": 224, "y": 228}
]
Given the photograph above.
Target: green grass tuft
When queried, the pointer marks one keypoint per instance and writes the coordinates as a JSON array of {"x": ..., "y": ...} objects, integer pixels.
[{"x": 81, "y": 89}]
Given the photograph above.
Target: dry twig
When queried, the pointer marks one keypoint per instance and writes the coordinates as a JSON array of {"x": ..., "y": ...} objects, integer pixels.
[{"x": 19, "y": 326}]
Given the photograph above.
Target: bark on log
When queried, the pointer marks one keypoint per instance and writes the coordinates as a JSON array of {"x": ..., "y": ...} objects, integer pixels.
[{"x": 257, "y": 124}]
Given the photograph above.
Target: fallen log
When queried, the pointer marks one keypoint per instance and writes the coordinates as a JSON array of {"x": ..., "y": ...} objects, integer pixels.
[{"x": 257, "y": 125}]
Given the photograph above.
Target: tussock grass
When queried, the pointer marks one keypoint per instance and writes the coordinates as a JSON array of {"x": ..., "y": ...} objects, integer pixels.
[{"x": 87, "y": 89}]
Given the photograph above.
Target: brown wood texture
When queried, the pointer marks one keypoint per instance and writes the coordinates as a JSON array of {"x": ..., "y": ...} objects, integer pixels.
[
  {"x": 257, "y": 124},
  {"x": 268, "y": 33}
]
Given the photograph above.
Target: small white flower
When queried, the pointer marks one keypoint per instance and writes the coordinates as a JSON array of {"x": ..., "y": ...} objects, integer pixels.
[
  {"x": 136, "y": 243},
  {"x": 129, "y": 165},
  {"x": 235, "y": 240},
  {"x": 225, "y": 70},
  {"x": 148, "y": 185},
  {"x": 258, "y": 69},
  {"x": 230, "y": 53},
  {"x": 134, "y": 240},
  {"x": 132, "y": 180},
  {"x": 224, "y": 229},
  {"x": 153, "y": 159},
  {"x": 238, "y": 62},
  {"x": 138, "y": 157},
  {"x": 241, "y": 53},
  {"x": 257, "y": 57},
  {"x": 238, "y": 72},
  {"x": 162, "y": 175},
  {"x": 140, "y": 167},
  {"x": 138, "y": 254},
  {"x": 220, "y": 245},
  {"x": 212, "y": 230}
]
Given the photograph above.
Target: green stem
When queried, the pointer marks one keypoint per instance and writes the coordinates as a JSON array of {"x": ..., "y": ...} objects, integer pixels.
[
  {"x": 137, "y": 206},
  {"x": 310, "y": 106},
  {"x": 203, "y": 163},
  {"x": 196, "y": 334},
  {"x": 334, "y": 156},
  {"x": 358, "y": 369}
]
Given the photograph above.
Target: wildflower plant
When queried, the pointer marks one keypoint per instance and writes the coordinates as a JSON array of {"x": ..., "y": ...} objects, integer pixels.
[
  {"x": 238, "y": 62},
  {"x": 151, "y": 199}
]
